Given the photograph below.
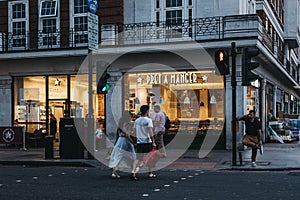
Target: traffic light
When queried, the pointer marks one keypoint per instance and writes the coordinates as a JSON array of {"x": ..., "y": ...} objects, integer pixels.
[
  {"x": 222, "y": 62},
  {"x": 247, "y": 75},
  {"x": 102, "y": 85}
]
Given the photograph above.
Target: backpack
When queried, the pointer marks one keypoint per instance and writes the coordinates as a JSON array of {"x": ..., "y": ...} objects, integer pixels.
[{"x": 167, "y": 123}]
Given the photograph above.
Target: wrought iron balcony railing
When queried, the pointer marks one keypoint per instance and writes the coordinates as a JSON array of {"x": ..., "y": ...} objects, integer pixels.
[
  {"x": 10, "y": 42},
  {"x": 201, "y": 29}
]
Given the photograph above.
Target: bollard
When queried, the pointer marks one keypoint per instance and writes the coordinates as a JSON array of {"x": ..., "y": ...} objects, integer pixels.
[
  {"x": 49, "y": 146},
  {"x": 241, "y": 158}
]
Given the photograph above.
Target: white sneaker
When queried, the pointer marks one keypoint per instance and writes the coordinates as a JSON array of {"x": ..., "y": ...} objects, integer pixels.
[
  {"x": 261, "y": 150},
  {"x": 253, "y": 164}
]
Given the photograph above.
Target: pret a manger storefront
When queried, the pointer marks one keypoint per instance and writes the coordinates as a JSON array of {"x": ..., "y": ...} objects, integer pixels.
[{"x": 193, "y": 100}]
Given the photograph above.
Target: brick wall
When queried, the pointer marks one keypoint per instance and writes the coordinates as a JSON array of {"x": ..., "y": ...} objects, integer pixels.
[
  {"x": 3, "y": 16},
  {"x": 33, "y": 20},
  {"x": 64, "y": 23},
  {"x": 111, "y": 12}
]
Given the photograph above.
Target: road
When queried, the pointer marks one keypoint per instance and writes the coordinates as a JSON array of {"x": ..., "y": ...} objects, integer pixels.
[{"x": 23, "y": 182}]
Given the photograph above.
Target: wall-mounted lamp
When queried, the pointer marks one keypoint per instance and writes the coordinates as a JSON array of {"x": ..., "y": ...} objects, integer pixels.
[{"x": 213, "y": 99}]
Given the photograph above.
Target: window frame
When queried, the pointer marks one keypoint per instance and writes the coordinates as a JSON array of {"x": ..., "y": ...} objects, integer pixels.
[
  {"x": 41, "y": 8},
  {"x": 19, "y": 40},
  {"x": 78, "y": 37}
]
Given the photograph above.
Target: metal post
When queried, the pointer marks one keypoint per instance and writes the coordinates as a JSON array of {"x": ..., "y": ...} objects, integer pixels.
[
  {"x": 233, "y": 84},
  {"x": 90, "y": 117}
]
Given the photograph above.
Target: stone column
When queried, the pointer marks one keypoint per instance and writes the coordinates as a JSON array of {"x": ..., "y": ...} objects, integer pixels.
[
  {"x": 114, "y": 106},
  {"x": 5, "y": 101},
  {"x": 274, "y": 100},
  {"x": 263, "y": 113}
]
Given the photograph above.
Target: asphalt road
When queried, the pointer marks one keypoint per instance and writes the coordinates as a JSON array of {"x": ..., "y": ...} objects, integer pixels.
[{"x": 20, "y": 182}]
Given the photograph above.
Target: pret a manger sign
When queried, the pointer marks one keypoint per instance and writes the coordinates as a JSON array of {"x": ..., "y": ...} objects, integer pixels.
[{"x": 175, "y": 78}]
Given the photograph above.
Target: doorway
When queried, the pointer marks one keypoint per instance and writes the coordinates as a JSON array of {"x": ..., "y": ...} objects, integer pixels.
[{"x": 57, "y": 108}]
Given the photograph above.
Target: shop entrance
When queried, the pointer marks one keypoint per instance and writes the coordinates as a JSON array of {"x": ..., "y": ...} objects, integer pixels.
[{"x": 57, "y": 110}]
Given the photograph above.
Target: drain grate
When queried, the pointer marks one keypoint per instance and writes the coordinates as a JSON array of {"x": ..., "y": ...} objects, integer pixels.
[{"x": 248, "y": 163}]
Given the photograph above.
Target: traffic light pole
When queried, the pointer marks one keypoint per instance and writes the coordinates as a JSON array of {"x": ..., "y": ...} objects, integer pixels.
[
  {"x": 90, "y": 116},
  {"x": 233, "y": 85}
]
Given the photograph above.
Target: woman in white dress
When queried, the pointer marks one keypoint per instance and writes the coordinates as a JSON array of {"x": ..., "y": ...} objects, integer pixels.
[{"x": 123, "y": 152}]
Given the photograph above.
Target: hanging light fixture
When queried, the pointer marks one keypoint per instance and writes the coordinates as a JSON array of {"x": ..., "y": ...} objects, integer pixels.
[
  {"x": 187, "y": 100},
  {"x": 213, "y": 99},
  {"x": 161, "y": 100}
]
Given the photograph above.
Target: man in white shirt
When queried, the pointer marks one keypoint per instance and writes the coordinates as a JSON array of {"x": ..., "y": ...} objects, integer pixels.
[
  {"x": 143, "y": 129},
  {"x": 159, "y": 128}
]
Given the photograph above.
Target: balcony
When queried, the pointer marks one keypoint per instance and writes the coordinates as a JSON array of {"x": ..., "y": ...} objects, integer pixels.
[
  {"x": 12, "y": 42},
  {"x": 237, "y": 27}
]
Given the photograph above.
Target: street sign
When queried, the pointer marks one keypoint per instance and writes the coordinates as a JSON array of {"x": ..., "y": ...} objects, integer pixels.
[
  {"x": 93, "y": 31},
  {"x": 93, "y": 6}
]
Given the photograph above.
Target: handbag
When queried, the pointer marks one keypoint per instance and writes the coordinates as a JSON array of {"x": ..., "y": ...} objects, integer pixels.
[{"x": 152, "y": 158}]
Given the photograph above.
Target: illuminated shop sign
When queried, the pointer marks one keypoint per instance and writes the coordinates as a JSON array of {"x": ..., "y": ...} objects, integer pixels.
[{"x": 176, "y": 78}]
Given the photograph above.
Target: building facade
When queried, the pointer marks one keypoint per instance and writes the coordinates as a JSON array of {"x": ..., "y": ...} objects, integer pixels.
[
  {"x": 42, "y": 46},
  {"x": 156, "y": 26},
  {"x": 158, "y": 52}
]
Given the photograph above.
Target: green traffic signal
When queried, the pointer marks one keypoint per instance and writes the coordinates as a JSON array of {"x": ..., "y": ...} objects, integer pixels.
[
  {"x": 106, "y": 87},
  {"x": 247, "y": 65},
  {"x": 102, "y": 85}
]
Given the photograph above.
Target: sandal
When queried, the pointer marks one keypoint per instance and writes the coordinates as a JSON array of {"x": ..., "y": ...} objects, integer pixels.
[
  {"x": 115, "y": 175},
  {"x": 151, "y": 175},
  {"x": 133, "y": 177}
]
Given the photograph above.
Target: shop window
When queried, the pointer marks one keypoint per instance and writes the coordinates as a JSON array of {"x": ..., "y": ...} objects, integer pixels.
[{"x": 29, "y": 98}]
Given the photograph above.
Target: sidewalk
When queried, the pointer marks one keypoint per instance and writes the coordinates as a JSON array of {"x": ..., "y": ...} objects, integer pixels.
[{"x": 276, "y": 157}]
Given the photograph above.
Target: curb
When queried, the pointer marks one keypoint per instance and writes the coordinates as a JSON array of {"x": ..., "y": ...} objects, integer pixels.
[{"x": 44, "y": 163}]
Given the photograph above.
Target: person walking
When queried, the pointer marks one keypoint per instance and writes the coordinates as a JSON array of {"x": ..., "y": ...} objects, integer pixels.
[
  {"x": 143, "y": 130},
  {"x": 159, "y": 129},
  {"x": 53, "y": 125},
  {"x": 253, "y": 136},
  {"x": 123, "y": 153}
]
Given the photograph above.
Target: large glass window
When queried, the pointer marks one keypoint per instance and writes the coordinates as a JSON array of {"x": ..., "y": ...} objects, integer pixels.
[
  {"x": 29, "y": 98},
  {"x": 182, "y": 95}
]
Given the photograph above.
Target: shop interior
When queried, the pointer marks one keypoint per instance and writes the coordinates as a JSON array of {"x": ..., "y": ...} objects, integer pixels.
[
  {"x": 31, "y": 101},
  {"x": 200, "y": 103}
]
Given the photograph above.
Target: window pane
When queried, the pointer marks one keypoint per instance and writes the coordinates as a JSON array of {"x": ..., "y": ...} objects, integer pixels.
[
  {"x": 49, "y": 25},
  {"x": 18, "y": 28},
  {"x": 80, "y": 6},
  {"x": 173, "y": 3},
  {"x": 80, "y": 23},
  {"x": 18, "y": 11},
  {"x": 48, "y": 8},
  {"x": 174, "y": 17}
]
